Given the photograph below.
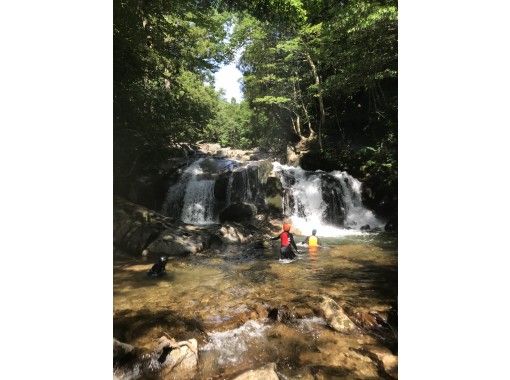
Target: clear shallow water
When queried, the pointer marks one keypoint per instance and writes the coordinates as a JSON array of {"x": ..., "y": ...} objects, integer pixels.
[{"x": 220, "y": 298}]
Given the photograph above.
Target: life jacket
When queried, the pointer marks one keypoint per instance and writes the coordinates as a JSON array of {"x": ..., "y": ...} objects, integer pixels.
[
  {"x": 285, "y": 239},
  {"x": 312, "y": 241}
]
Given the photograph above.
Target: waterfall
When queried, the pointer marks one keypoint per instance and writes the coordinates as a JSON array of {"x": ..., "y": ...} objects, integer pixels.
[
  {"x": 356, "y": 214},
  {"x": 328, "y": 202},
  {"x": 229, "y": 188},
  {"x": 192, "y": 197},
  {"x": 198, "y": 205}
]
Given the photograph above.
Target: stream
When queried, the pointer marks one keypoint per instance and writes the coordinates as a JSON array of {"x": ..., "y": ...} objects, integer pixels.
[
  {"x": 218, "y": 300},
  {"x": 245, "y": 307}
]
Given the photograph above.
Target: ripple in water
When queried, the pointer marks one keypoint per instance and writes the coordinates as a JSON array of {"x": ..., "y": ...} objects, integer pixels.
[{"x": 230, "y": 345}]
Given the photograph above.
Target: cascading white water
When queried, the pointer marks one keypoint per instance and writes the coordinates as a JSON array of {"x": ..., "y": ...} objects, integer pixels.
[
  {"x": 197, "y": 196},
  {"x": 356, "y": 214},
  {"x": 305, "y": 205},
  {"x": 198, "y": 205}
]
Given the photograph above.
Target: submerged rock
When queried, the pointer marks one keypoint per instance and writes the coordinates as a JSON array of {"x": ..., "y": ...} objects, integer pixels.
[
  {"x": 366, "y": 227},
  {"x": 281, "y": 314},
  {"x": 267, "y": 372},
  {"x": 336, "y": 317}
]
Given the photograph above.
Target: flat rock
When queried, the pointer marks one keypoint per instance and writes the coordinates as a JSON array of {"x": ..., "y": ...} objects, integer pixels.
[
  {"x": 336, "y": 317},
  {"x": 267, "y": 372}
]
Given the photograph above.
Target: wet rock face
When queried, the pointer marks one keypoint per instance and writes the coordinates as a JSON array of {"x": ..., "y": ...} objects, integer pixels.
[
  {"x": 169, "y": 359},
  {"x": 238, "y": 212},
  {"x": 334, "y": 198},
  {"x": 281, "y": 314},
  {"x": 138, "y": 230},
  {"x": 267, "y": 372},
  {"x": 135, "y": 227},
  {"x": 336, "y": 317},
  {"x": 233, "y": 233},
  {"x": 366, "y": 227},
  {"x": 178, "y": 359},
  {"x": 274, "y": 194}
]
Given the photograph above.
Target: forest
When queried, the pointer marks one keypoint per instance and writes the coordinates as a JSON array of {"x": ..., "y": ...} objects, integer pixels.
[{"x": 319, "y": 82}]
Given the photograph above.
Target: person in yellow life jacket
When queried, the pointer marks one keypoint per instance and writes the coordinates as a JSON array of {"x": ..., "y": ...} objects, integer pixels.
[
  {"x": 312, "y": 241},
  {"x": 287, "y": 243}
]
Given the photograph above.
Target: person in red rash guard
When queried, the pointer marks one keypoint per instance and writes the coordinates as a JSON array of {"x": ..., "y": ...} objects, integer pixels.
[{"x": 287, "y": 243}]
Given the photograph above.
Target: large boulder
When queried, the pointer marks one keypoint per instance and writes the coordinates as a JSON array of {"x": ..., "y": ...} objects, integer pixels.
[
  {"x": 233, "y": 233},
  {"x": 333, "y": 196},
  {"x": 177, "y": 242},
  {"x": 274, "y": 194},
  {"x": 267, "y": 372},
  {"x": 138, "y": 230},
  {"x": 336, "y": 317},
  {"x": 135, "y": 227},
  {"x": 264, "y": 169},
  {"x": 238, "y": 212},
  {"x": 221, "y": 187},
  {"x": 169, "y": 359},
  {"x": 178, "y": 359}
]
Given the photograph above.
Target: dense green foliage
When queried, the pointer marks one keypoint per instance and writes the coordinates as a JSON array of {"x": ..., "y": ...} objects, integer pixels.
[
  {"x": 319, "y": 77},
  {"x": 326, "y": 81}
]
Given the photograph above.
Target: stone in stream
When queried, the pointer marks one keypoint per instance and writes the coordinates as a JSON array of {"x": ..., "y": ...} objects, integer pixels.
[
  {"x": 169, "y": 360},
  {"x": 267, "y": 372},
  {"x": 336, "y": 317},
  {"x": 123, "y": 353},
  {"x": 366, "y": 227},
  {"x": 281, "y": 314},
  {"x": 178, "y": 359}
]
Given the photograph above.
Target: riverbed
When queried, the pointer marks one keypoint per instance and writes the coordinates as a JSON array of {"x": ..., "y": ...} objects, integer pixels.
[{"x": 224, "y": 300}]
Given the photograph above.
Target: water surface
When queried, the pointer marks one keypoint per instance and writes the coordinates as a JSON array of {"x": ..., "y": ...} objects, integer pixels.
[{"x": 222, "y": 298}]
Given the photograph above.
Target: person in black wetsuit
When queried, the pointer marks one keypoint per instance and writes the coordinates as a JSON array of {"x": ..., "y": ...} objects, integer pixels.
[
  {"x": 287, "y": 243},
  {"x": 158, "y": 269}
]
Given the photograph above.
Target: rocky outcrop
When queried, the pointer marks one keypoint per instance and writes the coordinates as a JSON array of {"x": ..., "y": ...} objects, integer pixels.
[
  {"x": 135, "y": 227},
  {"x": 267, "y": 372},
  {"x": 238, "y": 212},
  {"x": 274, "y": 194},
  {"x": 366, "y": 227},
  {"x": 336, "y": 316},
  {"x": 178, "y": 359},
  {"x": 138, "y": 230},
  {"x": 179, "y": 241},
  {"x": 333, "y": 196},
  {"x": 234, "y": 233},
  {"x": 169, "y": 359},
  {"x": 281, "y": 314}
]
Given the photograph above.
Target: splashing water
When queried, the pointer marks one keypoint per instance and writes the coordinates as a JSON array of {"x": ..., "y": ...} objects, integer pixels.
[
  {"x": 230, "y": 345},
  {"x": 305, "y": 204},
  {"x": 357, "y": 214},
  {"x": 199, "y": 203}
]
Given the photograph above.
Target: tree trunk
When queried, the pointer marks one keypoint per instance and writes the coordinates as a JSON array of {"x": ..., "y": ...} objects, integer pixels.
[{"x": 321, "y": 102}]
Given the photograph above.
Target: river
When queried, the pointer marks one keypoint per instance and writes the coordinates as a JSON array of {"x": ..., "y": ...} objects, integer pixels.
[{"x": 223, "y": 299}]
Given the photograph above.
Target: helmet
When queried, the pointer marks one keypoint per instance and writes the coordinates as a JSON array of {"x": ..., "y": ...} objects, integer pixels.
[
  {"x": 286, "y": 227},
  {"x": 314, "y": 231}
]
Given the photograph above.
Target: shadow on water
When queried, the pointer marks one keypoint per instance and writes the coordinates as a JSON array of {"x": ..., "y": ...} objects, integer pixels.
[
  {"x": 128, "y": 326},
  {"x": 138, "y": 280},
  {"x": 259, "y": 273}
]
